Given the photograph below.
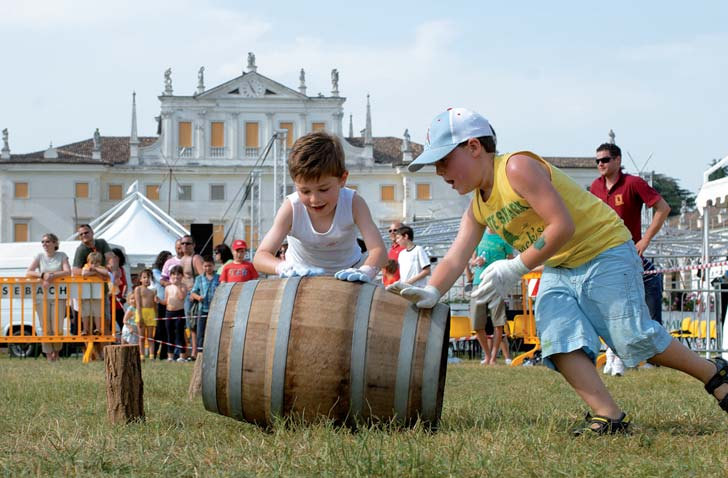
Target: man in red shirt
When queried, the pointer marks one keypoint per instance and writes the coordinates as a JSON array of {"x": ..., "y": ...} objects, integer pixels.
[
  {"x": 239, "y": 270},
  {"x": 626, "y": 194},
  {"x": 393, "y": 255}
]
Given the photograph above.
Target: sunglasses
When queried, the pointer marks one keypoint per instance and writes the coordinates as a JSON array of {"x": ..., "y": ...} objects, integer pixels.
[
  {"x": 604, "y": 160},
  {"x": 185, "y": 243},
  {"x": 85, "y": 233},
  {"x": 392, "y": 230},
  {"x": 45, "y": 242}
]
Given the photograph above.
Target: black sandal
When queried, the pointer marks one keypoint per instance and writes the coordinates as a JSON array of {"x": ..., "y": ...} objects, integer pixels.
[
  {"x": 720, "y": 377},
  {"x": 600, "y": 425}
]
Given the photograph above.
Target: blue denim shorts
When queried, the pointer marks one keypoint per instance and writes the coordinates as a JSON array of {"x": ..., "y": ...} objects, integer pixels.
[{"x": 605, "y": 298}]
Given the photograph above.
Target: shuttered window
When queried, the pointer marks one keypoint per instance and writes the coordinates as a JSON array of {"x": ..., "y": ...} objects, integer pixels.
[
  {"x": 114, "y": 192},
  {"x": 21, "y": 191},
  {"x": 423, "y": 192},
  {"x": 318, "y": 127},
  {"x": 387, "y": 193},
  {"x": 217, "y": 129},
  {"x": 251, "y": 135},
  {"x": 185, "y": 134},
  {"x": 218, "y": 234},
  {"x": 81, "y": 190},
  {"x": 251, "y": 236},
  {"x": 152, "y": 191},
  {"x": 20, "y": 232}
]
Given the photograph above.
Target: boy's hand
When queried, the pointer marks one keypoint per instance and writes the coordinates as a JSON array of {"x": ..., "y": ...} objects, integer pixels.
[
  {"x": 397, "y": 287},
  {"x": 363, "y": 274},
  {"x": 423, "y": 297},
  {"x": 497, "y": 279},
  {"x": 287, "y": 269}
]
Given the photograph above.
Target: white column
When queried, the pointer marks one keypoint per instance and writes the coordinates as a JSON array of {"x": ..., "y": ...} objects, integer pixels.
[
  {"x": 234, "y": 143},
  {"x": 407, "y": 204},
  {"x": 169, "y": 136},
  {"x": 302, "y": 124}
]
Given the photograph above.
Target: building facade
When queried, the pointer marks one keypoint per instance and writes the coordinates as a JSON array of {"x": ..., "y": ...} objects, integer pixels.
[{"x": 219, "y": 159}]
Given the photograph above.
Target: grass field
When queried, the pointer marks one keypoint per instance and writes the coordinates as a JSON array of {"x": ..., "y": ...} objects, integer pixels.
[{"x": 498, "y": 421}]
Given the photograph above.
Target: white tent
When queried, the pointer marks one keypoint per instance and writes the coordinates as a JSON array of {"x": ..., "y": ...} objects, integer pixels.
[
  {"x": 712, "y": 193},
  {"x": 140, "y": 226}
]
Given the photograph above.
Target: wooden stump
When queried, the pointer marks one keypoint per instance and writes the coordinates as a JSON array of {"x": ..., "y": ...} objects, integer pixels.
[
  {"x": 124, "y": 385},
  {"x": 196, "y": 381}
]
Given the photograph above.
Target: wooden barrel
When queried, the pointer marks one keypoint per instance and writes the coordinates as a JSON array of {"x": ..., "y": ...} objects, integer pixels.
[{"x": 317, "y": 346}]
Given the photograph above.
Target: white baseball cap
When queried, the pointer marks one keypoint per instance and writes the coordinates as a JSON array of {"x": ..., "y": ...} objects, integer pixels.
[{"x": 447, "y": 130}]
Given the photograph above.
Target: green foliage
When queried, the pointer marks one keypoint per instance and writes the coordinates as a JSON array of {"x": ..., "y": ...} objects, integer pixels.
[
  {"x": 497, "y": 421},
  {"x": 672, "y": 193}
]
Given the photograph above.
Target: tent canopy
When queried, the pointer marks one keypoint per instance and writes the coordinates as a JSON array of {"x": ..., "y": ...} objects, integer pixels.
[
  {"x": 714, "y": 192},
  {"x": 140, "y": 226}
]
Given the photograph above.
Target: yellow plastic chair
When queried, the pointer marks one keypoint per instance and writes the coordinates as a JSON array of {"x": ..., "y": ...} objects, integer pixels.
[
  {"x": 687, "y": 330},
  {"x": 462, "y": 337}
]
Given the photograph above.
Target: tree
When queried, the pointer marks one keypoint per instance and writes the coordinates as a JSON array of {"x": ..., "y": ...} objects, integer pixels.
[{"x": 672, "y": 193}]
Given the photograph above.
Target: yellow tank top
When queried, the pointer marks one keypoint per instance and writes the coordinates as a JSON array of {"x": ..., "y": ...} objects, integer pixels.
[{"x": 598, "y": 227}]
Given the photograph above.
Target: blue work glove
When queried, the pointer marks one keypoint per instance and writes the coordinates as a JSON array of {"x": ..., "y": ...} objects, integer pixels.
[
  {"x": 287, "y": 269},
  {"x": 363, "y": 274},
  {"x": 497, "y": 279}
]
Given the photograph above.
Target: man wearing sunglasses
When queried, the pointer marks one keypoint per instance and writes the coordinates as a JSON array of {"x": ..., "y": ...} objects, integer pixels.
[
  {"x": 87, "y": 246},
  {"x": 393, "y": 254},
  {"x": 626, "y": 194}
]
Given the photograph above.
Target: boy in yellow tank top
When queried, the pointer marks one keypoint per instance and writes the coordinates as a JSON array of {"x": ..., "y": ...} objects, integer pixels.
[{"x": 592, "y": 280}]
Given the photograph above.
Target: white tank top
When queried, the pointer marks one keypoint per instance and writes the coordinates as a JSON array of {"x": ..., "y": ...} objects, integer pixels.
[{"x": 333, "y": 250}]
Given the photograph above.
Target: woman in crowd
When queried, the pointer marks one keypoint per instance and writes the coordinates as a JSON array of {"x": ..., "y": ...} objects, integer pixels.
[
  {"x": 223, "y": 255},
  {"x": 49, "y": 265}
]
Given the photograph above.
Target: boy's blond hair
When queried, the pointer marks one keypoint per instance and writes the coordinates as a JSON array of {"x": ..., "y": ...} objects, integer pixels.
[
  {"x": 316, "y": 155},
  {"x": 94, "y": 258}
]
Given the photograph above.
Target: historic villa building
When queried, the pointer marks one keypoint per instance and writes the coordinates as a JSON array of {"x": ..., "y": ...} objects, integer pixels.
[{"x": 219, "y": 160}]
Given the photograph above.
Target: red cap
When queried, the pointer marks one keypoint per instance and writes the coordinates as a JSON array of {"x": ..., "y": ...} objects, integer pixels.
[{"x": 239, "y": 244}]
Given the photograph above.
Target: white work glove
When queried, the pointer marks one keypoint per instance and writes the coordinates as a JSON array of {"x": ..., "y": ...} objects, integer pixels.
[
  {"x": 352, "y": 274},
  {"x": 423, "y": 297},
  {"x": 397, "y": 287},
  {"x": 288, "y": 269},
  {"x": 497, "y": 279}
]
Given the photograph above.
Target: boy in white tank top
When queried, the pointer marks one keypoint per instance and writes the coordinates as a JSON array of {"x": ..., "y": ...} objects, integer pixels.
[{"x": 320, "y": 220}]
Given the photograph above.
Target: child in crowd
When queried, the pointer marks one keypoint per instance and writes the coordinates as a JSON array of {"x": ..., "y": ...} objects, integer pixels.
[
  {"x": 239, "y": 270},
  {"x": 414, "y": 265},
  {"x": 321, "y": 219},
  {"x": 591, "y": 285},
  {"x": 146, "y": 312},
  {"x": 389, "y": 272},
  {"x": 202, "y": 292},
  {"x": 174, "y": 300},
  {"x": 130, "y": 331},
  {"x": 91, "y": 307}
]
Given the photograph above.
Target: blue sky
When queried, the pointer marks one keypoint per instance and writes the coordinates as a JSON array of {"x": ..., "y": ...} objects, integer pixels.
[{"x": 552, "y": 77}]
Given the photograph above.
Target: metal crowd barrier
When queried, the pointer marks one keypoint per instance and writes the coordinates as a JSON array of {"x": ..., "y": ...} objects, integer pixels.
[{"x": 72, "y": 309}]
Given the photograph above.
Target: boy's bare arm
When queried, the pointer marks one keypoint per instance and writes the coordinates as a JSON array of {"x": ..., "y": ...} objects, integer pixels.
[
  {"x": 531, "y": 180},
  {"x": 265, "y": 260},
  {"x": 373, "y": 240}
]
